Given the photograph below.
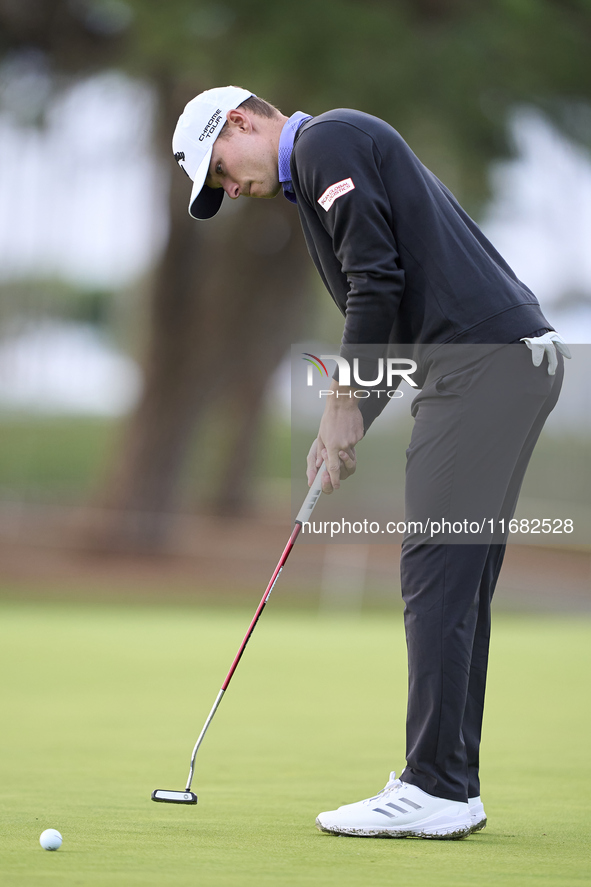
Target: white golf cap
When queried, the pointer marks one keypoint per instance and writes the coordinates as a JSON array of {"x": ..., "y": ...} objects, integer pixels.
[{"x": 192, "y": 143}]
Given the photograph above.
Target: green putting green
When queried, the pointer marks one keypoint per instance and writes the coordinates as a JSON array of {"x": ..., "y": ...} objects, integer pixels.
[{"x": 102, "y": 704}]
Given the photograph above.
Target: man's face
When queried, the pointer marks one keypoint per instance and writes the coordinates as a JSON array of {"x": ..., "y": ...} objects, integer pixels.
[{"x": 245, "y": 163}]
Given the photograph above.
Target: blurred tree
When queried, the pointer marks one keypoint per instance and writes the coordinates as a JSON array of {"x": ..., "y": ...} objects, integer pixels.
[{"x": 224, "y": 302}]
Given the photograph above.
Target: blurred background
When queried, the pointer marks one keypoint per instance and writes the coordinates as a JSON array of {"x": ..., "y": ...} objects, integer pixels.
[{"x": 144, "y": 357}]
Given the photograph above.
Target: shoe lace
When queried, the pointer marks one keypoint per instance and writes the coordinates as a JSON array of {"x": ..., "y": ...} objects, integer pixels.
[{"x": 393, "y": 784}]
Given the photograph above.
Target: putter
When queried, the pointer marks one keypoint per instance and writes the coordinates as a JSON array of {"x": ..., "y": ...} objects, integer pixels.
[{"x": 187, "y": 796}]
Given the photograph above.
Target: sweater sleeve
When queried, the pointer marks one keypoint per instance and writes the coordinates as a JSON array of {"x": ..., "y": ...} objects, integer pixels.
[{"x": 339, "y": 174}]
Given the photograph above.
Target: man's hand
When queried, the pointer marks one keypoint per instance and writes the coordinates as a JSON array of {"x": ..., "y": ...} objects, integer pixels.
[
  {"x": 547, "y": 345},
  {"x": 340, "y": 429}
]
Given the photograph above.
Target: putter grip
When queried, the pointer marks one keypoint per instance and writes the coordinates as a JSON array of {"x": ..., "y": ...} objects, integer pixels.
[{"x": 312, "y": 498}]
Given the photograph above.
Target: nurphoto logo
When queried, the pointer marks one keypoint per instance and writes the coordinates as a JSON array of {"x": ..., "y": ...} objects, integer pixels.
[{"x": 392, "y": 370}]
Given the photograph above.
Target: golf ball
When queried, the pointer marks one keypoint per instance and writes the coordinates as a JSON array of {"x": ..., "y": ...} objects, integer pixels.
[{"x": 50, "y": 839}]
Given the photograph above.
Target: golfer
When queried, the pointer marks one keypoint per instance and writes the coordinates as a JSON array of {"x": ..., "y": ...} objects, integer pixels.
[{"x": 405, "y": 264}]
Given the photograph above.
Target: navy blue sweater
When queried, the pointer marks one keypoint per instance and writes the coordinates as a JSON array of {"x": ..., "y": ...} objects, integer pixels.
[{"x": 402, "y": 260}]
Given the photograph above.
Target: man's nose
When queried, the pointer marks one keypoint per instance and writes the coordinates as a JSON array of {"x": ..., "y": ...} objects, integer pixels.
[{"x": 232, "y": 189}]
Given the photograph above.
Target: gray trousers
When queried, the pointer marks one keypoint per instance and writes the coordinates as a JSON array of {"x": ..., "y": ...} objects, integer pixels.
[{"x": 477, "y": 420}]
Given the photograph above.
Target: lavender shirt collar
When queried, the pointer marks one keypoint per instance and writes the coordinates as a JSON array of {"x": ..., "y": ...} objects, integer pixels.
[{"x": 286, "y": 140}]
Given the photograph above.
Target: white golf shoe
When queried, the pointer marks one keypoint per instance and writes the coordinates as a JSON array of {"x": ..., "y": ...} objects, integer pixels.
[
  {"x": 400, "y": 810},
  {"x": 477, "y": 814}
]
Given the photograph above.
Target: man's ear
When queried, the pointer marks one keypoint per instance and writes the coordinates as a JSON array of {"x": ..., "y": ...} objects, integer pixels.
[{"x": 239, "y": 120}]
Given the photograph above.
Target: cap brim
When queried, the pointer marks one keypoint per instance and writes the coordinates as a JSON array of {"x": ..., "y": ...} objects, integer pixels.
[{"x": 205, "y": 201}]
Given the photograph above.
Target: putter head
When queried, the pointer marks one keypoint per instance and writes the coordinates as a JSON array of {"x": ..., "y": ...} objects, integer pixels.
[{"x": 168, "y": 797}]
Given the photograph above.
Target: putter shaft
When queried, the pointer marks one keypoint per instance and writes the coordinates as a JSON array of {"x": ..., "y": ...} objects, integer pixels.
[
  {"x": 303, "y": 515},
  {"x": 200, "y": 739}
]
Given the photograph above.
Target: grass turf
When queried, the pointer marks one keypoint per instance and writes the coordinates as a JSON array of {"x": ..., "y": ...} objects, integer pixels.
[{"x": 102, "y": 704}]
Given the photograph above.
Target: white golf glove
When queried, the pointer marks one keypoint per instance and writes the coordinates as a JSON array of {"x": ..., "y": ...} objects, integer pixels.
[{"x": 547, "y": 344}]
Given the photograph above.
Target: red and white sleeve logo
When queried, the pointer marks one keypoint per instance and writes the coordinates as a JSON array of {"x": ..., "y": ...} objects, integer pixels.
[{"x": 334, "y": 191}]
